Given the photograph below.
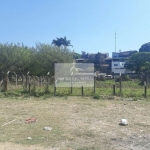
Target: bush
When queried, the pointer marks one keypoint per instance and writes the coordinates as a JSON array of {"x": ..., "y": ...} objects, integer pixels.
[
  {"x": 125, "y": 78},
  {"x": 101, "y": 78},
  {"x": 117, "y": 80},
  {"x": 96, "y": 96}
]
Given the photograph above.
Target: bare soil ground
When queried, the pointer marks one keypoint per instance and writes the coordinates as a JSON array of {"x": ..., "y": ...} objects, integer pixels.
[{"x": 77, "y": 124}]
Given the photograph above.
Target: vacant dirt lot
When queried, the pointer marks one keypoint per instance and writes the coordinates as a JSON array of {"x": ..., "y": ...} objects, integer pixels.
[{"x": 77, "y": 124}]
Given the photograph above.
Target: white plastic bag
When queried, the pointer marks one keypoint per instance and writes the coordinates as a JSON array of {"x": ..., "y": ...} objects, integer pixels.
[{"x": 123, "y": 122}]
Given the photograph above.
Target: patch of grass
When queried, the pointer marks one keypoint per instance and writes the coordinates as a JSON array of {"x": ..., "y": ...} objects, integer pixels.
[
  {"x": 119, "y": 94},
  {"x": 96, "y": 96},
  {"x": 79, "y": 123},
  {"x": 104, "y": 88},
  {"x": 87, "y": 148},
  {"x": 11, "y": 94},
  {"x": 135, "y": 98}
]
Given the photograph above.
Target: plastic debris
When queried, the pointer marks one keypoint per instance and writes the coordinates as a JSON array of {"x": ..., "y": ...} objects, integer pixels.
[
  {"x": 29, "y": 138},
  {"x": 31, "y": 120},
  {"x": 47, "y": 128},
  {"x": 123, "y": 122},
  {"x": 8, "y": 122}
]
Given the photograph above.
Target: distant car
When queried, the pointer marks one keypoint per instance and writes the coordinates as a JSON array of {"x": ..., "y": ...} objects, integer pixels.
[
  {"x": 108, "y": 76},
  {"x": 116, "y": 76}
]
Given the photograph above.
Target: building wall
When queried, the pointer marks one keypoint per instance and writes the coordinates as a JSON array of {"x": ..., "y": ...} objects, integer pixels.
[
  {"x": 118, "y": 61},
  {"x": 115, "y": 55},
  {"x": 118, "y": 67}
]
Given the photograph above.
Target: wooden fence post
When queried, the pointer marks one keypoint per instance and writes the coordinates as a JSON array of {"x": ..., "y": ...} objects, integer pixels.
[
  {"x": 120, "y": 84},
  {"x": 55, "y": 87},
  {"x": 27, "y": 79},
  {"x": 54, "y": 90},
  {"x": 71, "y": 85},
  {"x": 29, "y": 89},
  {"x": 22, "y": 80},
  {"x": 82, "y": 91},
  {"x": 114, "y": 89},
  {"x": 48, "y": 82},
  {"x": 94, "y": 83},
  {"x": 6, "y": 82},
  {"x": 145, "y": 90}
]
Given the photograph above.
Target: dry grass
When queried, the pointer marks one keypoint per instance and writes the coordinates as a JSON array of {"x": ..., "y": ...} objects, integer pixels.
[{"x": 77, "y": 124}]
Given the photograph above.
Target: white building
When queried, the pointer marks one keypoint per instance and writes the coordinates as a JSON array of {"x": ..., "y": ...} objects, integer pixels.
[{"x": 118, "y": 62}]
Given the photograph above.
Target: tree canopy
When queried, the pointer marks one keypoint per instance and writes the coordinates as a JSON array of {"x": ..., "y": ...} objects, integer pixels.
[
  {"x": 39, "y": 60},
  {"x": 62, "y": 42},
  {"x": 139, "y": 62},
  {"x": 145, "y": 47}
]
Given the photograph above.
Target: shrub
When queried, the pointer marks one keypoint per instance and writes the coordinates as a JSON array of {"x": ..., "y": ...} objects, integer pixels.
[
  {"x": 102, "y": 78},
  {"x": 96, "y": 96},
  {"x": 125, "y": 78}
]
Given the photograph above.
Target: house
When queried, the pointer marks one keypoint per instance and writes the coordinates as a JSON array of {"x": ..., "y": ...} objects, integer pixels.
[
  {"x": 97, "y": 58},
  {"x": 118, "y": 61}
]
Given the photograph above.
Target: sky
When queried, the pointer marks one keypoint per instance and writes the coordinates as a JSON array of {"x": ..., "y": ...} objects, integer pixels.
[{"x": 90, "y": 25}]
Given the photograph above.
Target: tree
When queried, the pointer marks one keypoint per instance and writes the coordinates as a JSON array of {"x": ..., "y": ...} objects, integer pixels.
[
  {"x": 39, "y": 60},
  {"x": 57, "y": 42},
  {"x": 14, "y": 57},
  {"x": 145, "y": 47},
  {"x": 76, "y": 55},
  {"x": 138, "y": 62},
  {"x": 62, "y": 42},
  {"x": 146, "y": 67},
  {"x": 84, "y": 55},
  {"x": 46, "y": 57},
  {"x": 66, "y": 42}
]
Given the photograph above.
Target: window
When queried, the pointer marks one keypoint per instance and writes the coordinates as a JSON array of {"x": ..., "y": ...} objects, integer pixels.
[{"x": 115, "y": 64}]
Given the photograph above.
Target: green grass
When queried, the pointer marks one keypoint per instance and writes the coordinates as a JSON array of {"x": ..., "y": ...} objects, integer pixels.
[
  {"x": 78, "y": 123},
  {"x": 103, "y": 88}
]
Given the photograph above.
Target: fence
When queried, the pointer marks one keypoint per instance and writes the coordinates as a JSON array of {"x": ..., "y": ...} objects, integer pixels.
[{"x": 36, "y": 86}]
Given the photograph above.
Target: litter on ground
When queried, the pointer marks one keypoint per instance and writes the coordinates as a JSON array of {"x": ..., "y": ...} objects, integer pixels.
[
  {"x": 29, "y": 138},
  {"x": 47, "y": 128},
  {"x": 123, "y": 122},
  {"x": 31, "y": 120}
]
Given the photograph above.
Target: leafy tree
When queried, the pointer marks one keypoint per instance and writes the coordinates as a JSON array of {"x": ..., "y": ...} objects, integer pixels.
[
  {"x": 76, "y": 55},
  {"x": 47, "y": 56},
  {"x": 138, "y": 62},
  {"x": 62, "y": 42},
  {"x": 146, "y": 67},
  {"x": 99, "y": 60},
  {"x": 145, "y": 47},
  {"x": 39, "y": 60},
  {"x": 84, "y": 55},
  {"x": 14, "y": 57}
]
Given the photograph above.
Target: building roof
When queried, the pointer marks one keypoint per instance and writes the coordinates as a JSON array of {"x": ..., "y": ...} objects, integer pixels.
[{"x": 125, "y": 53}]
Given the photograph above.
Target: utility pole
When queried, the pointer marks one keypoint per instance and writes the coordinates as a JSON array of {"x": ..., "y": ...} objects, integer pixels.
[{"x": 115, "y": 41}]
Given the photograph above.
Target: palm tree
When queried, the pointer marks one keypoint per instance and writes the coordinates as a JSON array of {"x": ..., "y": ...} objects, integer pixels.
[
  {"x": 57, "y": 42},
  {"x": 66, "y": 42},
  {"x": 62, "y": 41}
]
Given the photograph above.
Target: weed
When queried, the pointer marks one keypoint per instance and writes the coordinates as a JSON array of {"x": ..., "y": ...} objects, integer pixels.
[
  {"x": 87, "y": 148},
  {"x": 129, "y": 89},
  {"x": 96, "y": 96},
  {"x": 66, "y": 97},
  {"x": 119, "y": 94},
  {"x": 135, "y": 98}
]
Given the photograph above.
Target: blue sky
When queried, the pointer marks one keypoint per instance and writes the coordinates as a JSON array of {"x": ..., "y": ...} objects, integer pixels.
[{"x": 89, "y": 24}]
